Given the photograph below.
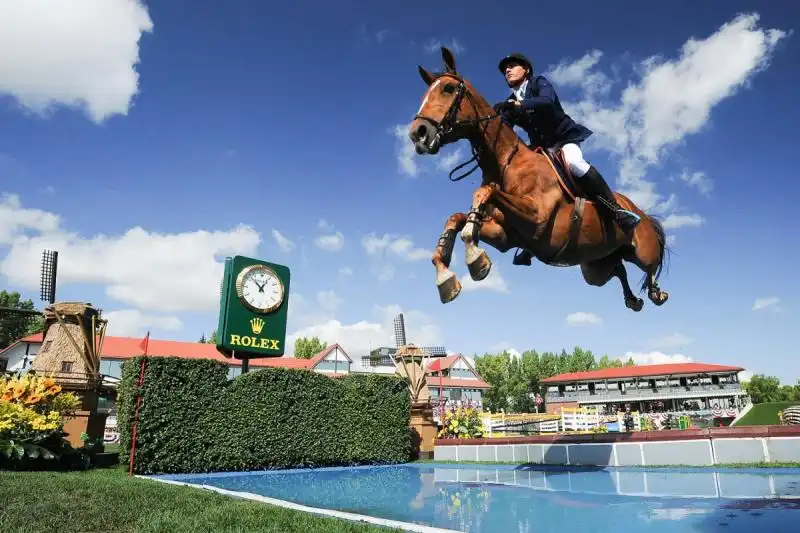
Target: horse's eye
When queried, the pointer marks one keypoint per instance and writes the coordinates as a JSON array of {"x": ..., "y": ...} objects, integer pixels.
[{"x": 449, "y": 88}]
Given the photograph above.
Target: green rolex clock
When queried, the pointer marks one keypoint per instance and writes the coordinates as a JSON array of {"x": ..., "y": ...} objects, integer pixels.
[
  {"x": 253, "y": 310},
  {"x": 259, "y": 288}
]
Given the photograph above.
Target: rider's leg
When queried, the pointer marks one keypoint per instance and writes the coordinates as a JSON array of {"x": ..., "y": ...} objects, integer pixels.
[{"x": 596, "y": 185}]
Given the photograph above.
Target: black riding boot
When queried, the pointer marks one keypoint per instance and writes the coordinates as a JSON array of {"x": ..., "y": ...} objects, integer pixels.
[
  {"x": 523, "y": 257},
  {"x": 596, "y": 185}
]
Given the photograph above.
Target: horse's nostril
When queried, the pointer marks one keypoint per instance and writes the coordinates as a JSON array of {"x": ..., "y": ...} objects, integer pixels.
[{"x": 421, "y": 132}]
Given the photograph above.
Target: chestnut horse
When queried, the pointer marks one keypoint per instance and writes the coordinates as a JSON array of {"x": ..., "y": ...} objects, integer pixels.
[{"x": 523, "y": 202}]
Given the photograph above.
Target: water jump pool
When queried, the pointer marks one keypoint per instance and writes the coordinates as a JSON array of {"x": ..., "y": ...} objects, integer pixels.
[{"x": 495, "y": 498}]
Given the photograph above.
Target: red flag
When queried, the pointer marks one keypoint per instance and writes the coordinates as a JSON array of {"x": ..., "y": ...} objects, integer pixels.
[{"x": 144, "y": 344}]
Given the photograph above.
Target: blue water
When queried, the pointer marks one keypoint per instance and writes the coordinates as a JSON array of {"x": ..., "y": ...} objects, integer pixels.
[{"x": 534, "y": 499}]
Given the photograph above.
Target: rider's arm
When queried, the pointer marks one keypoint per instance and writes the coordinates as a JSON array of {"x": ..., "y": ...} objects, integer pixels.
[{"x": 546, "y": 96}]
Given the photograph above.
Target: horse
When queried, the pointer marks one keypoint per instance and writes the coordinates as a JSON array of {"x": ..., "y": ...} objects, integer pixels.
[{"x": 524, "y": 201}]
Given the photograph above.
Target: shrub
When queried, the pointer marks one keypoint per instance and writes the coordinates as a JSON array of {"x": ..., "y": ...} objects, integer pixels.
[
  {"x": 462, "y": 423},
  {"x": 193, "y": 419},
  {"x": 32, "y": 414}
]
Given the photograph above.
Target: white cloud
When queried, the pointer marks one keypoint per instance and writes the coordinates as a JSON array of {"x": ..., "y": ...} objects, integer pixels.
[
  {"x": 504, "y": 346},
  {"x": 72, "y": 53},
  {"x": 447, "y": 161},
  {"x": 407, "y": 158},
  {"x": 655, "y": 358},
  {"x": 672, "y": 341},
  {"x": 493, "y": 282},
  {"x": 579, "y": 73},
  {"x": 582, "y": 318},
  {"x": 324, "y": 225},
  {"x": 384, "y": 273},
  {"x": 329, "y": 301},
  {"x": 698, "y": 180},
  {"x": 433, "y": 46},
  {"x": 166, "y": 272},
  {"x": 412, "y": 164},
  {"x": 16, "y": 220},
  {"x": 396, "y": 246},
  {"x": 771, "y": 303},
  {"x": 346, "y": 271},
  {"x": 283, "y": 243},
  {"x": 357, "y": 338},
  {"x": 671, "y": 100},
  {"x": 134, "y": 323},
  {"x": 682, "y": 221},
  {"x": 330, "y": 243}
]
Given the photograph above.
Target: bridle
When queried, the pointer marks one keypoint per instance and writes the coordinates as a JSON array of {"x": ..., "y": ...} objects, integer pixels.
[{"x": 449, "y": 123}]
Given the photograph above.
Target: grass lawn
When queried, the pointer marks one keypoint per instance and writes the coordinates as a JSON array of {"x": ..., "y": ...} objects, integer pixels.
[
  {"x": 107, "y": 500},
  {"x": 764, "y": 414}
]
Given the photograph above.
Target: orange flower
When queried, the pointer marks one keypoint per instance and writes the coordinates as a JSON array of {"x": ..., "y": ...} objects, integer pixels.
[
  {"x": 18, "y": 390},
  {"x": 33, "y": 399},
  {"x": 54, "y": 389}
]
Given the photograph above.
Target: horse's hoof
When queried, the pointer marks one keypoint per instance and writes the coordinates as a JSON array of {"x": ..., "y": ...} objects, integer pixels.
[
  {"x": 478, "y": 263},
  {"x": 449, "y": 287},
  {"x": 659, "y": 297},
  {"x": 635, "y": 304}
]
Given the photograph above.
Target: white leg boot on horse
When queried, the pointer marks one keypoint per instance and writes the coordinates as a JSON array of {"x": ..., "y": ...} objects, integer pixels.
[{"x": 489, "y": 230}]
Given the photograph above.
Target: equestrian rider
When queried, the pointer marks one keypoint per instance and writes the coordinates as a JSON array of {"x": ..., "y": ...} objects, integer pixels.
[{"x": 534, "y": 106}]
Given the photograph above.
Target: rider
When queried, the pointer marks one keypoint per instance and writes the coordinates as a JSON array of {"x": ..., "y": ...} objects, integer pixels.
[{"x": 534, "y": 106}]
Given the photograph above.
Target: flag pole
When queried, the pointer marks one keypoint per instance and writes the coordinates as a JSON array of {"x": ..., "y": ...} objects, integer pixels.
[{"x": 143, "y": 345}]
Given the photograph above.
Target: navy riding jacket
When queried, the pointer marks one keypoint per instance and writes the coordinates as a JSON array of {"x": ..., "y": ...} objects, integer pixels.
[{"x": 543, "y": 118}]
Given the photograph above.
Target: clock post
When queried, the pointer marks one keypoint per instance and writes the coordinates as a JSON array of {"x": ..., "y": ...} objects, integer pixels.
[{"x": 253, "y": 309}]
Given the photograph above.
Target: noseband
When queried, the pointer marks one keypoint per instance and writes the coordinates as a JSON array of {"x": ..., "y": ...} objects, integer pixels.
[{"x": 449, "y": 123}]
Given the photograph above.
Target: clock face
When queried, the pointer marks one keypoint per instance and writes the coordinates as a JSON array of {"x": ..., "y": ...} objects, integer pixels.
[{"x": 260, "y": 289}]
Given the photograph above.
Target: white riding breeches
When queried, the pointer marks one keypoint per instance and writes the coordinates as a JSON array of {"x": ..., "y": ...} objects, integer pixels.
[{"x": 574, "y": 158}]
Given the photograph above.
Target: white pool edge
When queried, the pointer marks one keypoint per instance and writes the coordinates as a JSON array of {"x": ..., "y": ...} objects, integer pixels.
[{"x": 353, "y": 517}]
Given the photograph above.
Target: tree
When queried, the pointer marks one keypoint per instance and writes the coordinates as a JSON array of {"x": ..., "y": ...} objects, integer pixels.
[
  {"x": 203, "y": 339},
  {"x": 305, "y": 348},
  {"x": 13, "y": 326},
  {"x": 764, "y": 389}
]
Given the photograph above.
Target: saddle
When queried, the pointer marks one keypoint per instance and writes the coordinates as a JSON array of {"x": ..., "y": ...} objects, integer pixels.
[
  {"x": 578, "y": 197},
  {"x": 565, "y": 178}
]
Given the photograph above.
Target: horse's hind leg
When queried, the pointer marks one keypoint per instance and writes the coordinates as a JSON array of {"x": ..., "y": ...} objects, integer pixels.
[
  {"x": 631, "y": 301},
  {"x": 598, "y": 273},
  {"x": 648, "y": 254}
]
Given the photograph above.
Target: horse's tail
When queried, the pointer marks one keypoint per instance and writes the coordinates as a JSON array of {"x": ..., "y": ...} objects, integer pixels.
[{"x": 663, "y": 249}]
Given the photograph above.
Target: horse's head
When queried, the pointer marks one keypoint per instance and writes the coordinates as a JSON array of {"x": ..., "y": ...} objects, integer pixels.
[{"x": 445, "y": 113}]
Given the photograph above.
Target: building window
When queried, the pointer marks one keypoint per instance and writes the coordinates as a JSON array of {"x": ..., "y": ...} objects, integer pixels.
[
  {"x": 46, "y": 346},
  {"x": 66, "y": 366},
  {"x": 3, "y": 365}
]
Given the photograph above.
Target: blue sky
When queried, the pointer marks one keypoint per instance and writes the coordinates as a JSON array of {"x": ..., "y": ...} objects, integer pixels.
[{"x": 145, "y": 143}]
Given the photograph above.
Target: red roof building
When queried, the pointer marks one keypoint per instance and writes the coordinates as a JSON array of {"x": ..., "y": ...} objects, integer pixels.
[{"x": 680, "y": 388}]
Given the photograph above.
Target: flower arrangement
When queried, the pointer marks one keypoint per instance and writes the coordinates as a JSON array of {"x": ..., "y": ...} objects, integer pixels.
[
  {"x": 32, "y": 413},
  {"x": 462, "y": 423}
]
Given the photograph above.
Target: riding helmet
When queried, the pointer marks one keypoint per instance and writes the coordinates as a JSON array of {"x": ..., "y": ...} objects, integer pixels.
[{"x": 516, "y": 57}]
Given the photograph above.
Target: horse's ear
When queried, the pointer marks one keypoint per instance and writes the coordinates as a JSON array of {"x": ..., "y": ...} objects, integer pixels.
[
  {"x": 427, "y": 77},
  {"x": 449, "y": 60}
]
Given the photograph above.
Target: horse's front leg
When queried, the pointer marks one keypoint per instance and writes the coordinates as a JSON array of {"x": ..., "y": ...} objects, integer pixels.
[
  {"x": 478, "y": 262},
  {"x": 446, "y": 280},
  {"x": 491, "y": 231}
]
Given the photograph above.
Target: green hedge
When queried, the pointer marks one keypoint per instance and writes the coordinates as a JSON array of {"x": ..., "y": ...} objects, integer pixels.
[{"x": 192, "y": 418}]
